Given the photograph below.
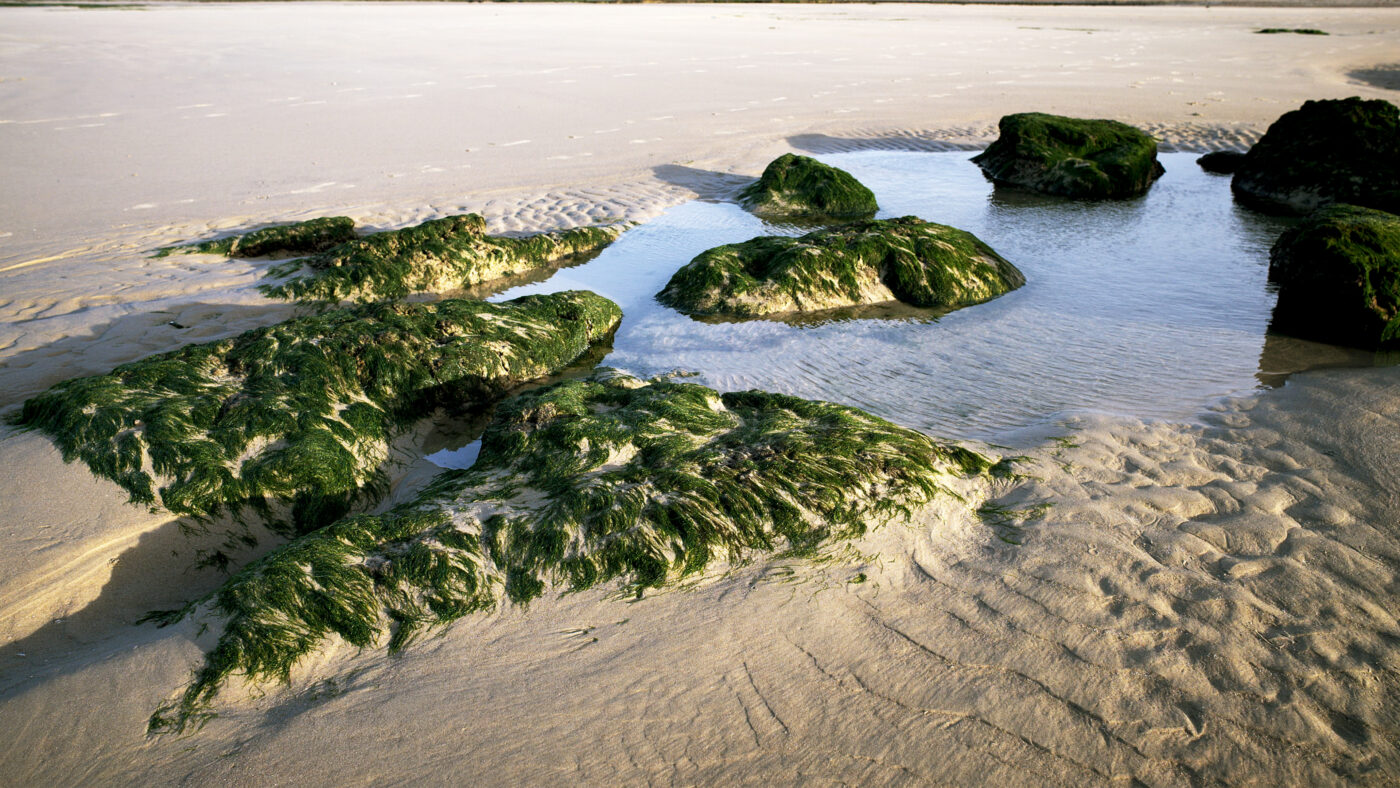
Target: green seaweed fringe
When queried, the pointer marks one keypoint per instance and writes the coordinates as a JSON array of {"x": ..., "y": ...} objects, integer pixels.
[
  {"x": 302, "y": 412},
  {"x": 577, "y": 484},
  {"x": 440, "y": 255},
  {"x": 801, "y": 187},
  {"x": 1072, "y": 157},
  {"x": 917, "y": 262},
  {"x": 309, "y": 237}
]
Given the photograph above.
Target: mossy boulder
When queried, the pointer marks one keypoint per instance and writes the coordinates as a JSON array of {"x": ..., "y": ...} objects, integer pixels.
[
  {"x": 870, "y": 262},
  {"x": 309, "y": 237},
  {"x": 1338, "y": 277},
  {"x": 295, "y": 420},
  {"x": 1221, "y": 162},
  {"x": 437, "y": 256},
  {"x": 1072, "y": 157},
  {"x": 1331, "y": 151},
  {"x": 800, "y": 187},
  {"x": 577, "y": 484}
]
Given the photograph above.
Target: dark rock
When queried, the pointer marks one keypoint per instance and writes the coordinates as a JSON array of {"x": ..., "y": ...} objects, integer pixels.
[
  {"x": 1342, "y": 150},
  {"x": 1338, "y": 276},
  {"x": 870, "y": 262},
  {"x": 1221, "y": 162},
  {"x": 1072, "y": 157},
  {"x": 801, "y": 187}
]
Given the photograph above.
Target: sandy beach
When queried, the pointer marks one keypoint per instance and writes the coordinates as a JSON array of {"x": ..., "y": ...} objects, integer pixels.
[{"x": 1204, "y": 601}]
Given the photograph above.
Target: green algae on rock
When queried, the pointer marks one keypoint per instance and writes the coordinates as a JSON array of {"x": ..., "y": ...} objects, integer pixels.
[
  {"x": 1338, "y": 277},
  {"x": 1072, "y": 157},
  {"x": 577, "y": 484},
  {"x": 1336, "y": 150},
  {"x": 905, "y": 259},
  {"x": 309, "y": 237},
  {"x": 800, "y": 187},
  {"x": 439, "y": 255},
  {"x": 294, "y": 421}
]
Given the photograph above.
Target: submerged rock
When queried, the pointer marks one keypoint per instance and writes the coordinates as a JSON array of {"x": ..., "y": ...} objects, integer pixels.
[
  {"x": 309, "y": 237},
  {"x": 1221, "y": 162},
  {"x": 300, "y": 414},
  {"x": 1072, "y": 157},
  {"x": 439, "y": 255},
  {"x": 1338, "y": 276},
  {"x": 870, "y": 262},
  {"x": 577, "y": 484},
  {"x": 1343, "y": 150},
  {"x": 801, "y": 187}
]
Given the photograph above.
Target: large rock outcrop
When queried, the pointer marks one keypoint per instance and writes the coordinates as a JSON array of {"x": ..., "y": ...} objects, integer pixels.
[
  {"x": 437, "y": 256},
  {"x": 800, "y": 187},
  {"x": 1331, "y": 151},
  {"x": 1338, "y": 277},
  {"x": 580, "y": 483},
  {"x": 295, "y": 420},
  {"x": 870, "y": 262},
  {"x": 1072, "y": 157}
]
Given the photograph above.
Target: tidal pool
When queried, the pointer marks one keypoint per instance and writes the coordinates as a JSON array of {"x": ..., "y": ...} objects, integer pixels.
[
  {"x": 1151, "y": 307},
  {"x": 1148, "y": 307}
]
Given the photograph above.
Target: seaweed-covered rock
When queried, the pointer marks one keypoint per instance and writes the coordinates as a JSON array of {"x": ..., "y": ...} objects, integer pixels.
[
  {"x": 301, "y": 413},
  {"x": 800, "y": 187},
  {"x": 577, "y": 484},
  {"x": 309, "y": 237},
  {"x": 1338, "y": 276},
  {"x": 1221, "y": 162},
  {"x": 1343, "y": 150},
  {"x": 1072, "y": 157},
  {"x": 871, "y": 262},
  {"x": 436, "y": 256}
]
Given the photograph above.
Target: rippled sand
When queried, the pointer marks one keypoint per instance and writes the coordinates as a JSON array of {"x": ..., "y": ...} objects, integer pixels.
[{"x": 1206, "y": 599}]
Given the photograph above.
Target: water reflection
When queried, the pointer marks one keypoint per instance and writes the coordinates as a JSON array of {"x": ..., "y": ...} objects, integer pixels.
[
  {"x": 1283, "y": 356},
  {"x": 1151, "y": 306}
]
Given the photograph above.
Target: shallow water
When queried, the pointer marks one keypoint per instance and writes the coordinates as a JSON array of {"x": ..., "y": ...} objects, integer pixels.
[{"x": 1149, "y": 307}]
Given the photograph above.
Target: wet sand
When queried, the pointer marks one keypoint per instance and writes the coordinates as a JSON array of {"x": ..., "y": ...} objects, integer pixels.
[{"x": 1204, "y": 601}]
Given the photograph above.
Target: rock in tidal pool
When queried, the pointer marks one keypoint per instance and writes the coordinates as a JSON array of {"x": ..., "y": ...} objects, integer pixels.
[
  {"x": 436, "y": 256},
  {"x": 579, "y": 483},
  {"x": 309, "y": 237},
  {"x": 800, "y": 187},
  {"x": 1072, "y": 157},
  {"x": 871, "y": 262},
  {"x": 294, "y": 421},
  {"x": 1338, "y": 276},
  {"x": 1221, "y": 162},
  {"x": 1332, "y": 151}
]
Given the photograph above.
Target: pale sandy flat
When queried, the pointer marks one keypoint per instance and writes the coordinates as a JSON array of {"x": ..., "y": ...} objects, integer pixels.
[{"x": 1205, "y": 602}]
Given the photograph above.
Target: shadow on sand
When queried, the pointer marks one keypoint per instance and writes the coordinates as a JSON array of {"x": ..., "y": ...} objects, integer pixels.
[
  {"x": 709, "y": 185},
  {"x": 825, "y": 143}
]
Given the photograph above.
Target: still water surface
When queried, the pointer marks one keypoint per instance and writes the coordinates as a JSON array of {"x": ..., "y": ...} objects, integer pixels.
[{"x": 1149, "y": 307}]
